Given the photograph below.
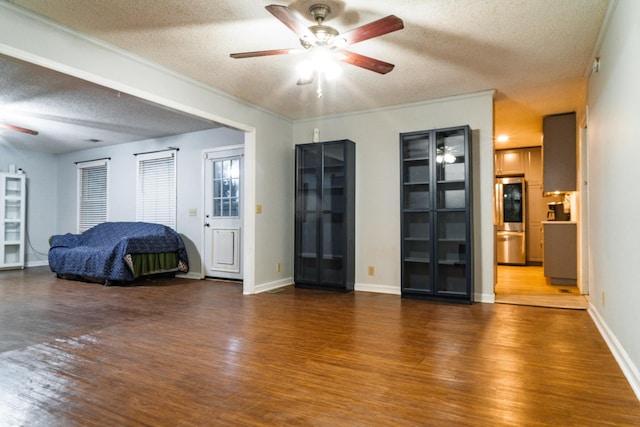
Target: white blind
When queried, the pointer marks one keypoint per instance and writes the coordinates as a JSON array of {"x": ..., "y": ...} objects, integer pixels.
[
  {"x": 156, "y": 188},
  {"x": 92, "y": 193}
]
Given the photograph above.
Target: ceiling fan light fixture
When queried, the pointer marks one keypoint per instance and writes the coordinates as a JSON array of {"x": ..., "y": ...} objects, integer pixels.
[
  {"x": 331, "y": 70},
  {"x": 324, "y": 38},
  {"x": 305, "y": 70},
  {"x": 322, "y": 62}
]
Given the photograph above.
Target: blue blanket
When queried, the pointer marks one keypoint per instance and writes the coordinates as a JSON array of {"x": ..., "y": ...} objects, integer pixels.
[{"x": 100, "y": 252}]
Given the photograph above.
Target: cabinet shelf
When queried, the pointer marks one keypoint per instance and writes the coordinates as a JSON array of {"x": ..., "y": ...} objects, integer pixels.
[
  {"x": 454, "y": 262},
  {"x": 417, "y": 260}
]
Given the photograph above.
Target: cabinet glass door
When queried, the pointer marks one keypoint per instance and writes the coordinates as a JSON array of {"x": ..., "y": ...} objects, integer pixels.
[
  {"x": 416, "y": 203},
  {"x": 452, "y": 253},
  {"x": 415, "y": 173},
  {"x": 333, "y": 190},
  {"x": 307, "y": 208},
  {"x": 450, "y": 169},
  {"x": 416, "y": 251}
]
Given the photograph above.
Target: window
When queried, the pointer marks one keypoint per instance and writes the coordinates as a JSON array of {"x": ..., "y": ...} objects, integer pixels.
[
  {"x": 226, "y": 187},
  {"x": 92, "y": 193},
  {"x": 156, "y": 188}
]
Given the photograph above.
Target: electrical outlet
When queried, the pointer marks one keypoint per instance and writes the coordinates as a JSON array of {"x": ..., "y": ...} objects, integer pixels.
[
  {"x": 278, "y": 267},
  {"x": 603, "y": 298},
  {"x": 372, "y": 270}
]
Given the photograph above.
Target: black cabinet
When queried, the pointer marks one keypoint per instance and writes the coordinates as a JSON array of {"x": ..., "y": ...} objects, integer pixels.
[
  {"x": 436, "y": 215},
  {"x": 325, "y": 215}
]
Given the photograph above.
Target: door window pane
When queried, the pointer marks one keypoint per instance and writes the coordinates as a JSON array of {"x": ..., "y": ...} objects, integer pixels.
[{"x": 226, "y": 187}]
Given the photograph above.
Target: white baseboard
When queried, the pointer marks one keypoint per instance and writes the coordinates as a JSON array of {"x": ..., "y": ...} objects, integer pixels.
[
  {"x": 190, "y": 275},
  {"x": 629, "y": 370},
  {"x": 381, "y": 289},
  {"x": 264, "y": 287},
  {"x": 39, "y": 263},
  {"x": 486, "y": 298}
]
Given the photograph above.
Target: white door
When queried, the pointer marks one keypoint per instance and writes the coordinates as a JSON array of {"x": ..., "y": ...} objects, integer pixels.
[{"x": 223, "y": 209}]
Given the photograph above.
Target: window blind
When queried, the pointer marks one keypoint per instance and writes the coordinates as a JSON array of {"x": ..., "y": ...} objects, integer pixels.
[
  {"x": 92, "y": 193},
  {"x": 156, "y": 188}
]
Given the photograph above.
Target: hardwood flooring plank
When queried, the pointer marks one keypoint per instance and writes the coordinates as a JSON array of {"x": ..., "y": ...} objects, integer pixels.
[{"x": 191, "y": 353}]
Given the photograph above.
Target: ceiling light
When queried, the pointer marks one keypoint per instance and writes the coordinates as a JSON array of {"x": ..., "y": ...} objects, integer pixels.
[
  {"x": 321, "y": 64},
  {"x": 502, "y": 138}
]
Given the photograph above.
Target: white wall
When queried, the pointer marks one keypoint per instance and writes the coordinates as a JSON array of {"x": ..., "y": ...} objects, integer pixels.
[
  {"x": 42, "y": 192},
  {"x": 614, "y": 206},
  {"x": 376, "y": 134},
  {"x": 267, "y": 136},
  {"x": 122, "y": 177}
]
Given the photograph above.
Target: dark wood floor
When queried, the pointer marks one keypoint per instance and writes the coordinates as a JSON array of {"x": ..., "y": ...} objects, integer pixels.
[{"x": 199, "y": 353}]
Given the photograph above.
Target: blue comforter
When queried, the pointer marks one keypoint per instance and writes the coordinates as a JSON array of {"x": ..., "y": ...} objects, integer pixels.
[{"x": 99, "y": 253}]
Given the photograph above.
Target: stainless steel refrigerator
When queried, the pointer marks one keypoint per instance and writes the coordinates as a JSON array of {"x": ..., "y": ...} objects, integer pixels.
[{"x": 510, "y": 213}]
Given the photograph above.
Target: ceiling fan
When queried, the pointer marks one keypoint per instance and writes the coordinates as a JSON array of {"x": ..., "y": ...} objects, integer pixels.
[
  {"x": 18, "y": 128},
  {"x": 328, "y": 41}
]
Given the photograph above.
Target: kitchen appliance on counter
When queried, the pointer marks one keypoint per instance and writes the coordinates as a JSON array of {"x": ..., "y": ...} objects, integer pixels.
[
  {"x": 510, "y": 217},
  {"x": 557, "y": 212}
]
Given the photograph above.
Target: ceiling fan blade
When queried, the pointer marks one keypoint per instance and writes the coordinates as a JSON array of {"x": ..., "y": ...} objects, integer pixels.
[
  {"x": 18, "y": 129},
  {"x": 364, "y": 62},
  {"x": 290, "y": 20},
  {"x": 373, "y": 29},
  {"x": 264, "y": 53}
]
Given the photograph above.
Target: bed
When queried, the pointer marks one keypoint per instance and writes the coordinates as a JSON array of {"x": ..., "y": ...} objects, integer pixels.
[{"x": 118, "y": 253}]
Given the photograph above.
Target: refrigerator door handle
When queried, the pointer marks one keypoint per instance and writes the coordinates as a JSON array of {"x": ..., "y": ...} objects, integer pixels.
[{"x": 499, "y": 220}]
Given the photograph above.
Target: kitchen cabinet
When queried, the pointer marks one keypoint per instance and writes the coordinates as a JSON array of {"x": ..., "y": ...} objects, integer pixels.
[
  {"x": 324, "y": 249},
  {"x": 12, "y": 225},
  {"x": 534, "y": 243},
  {"x": 509, "y": 162},
  {"x": 559, "y": 152},
  {"x": 560, "y": 252},
  {"x": 436, "y": 215},
  {"x": 533, "y": 165}
]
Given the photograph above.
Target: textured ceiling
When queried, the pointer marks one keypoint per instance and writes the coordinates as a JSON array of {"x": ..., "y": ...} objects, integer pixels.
[
  {"x": 535, "y": 53},
  {"x": 71, "y": 114}
]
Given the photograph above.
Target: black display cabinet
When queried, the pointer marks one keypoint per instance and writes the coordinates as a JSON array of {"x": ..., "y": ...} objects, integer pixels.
[
  {"x": 325, "y": 215},
  {"x": 436, "y": 215}
]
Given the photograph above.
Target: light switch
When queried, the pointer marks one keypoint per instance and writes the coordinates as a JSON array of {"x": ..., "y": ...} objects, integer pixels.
[
  {"x": 193, "y": 212},
  {"x": 258, "y": 208}
]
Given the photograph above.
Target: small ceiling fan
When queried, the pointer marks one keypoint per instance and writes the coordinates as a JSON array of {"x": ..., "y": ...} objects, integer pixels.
[
  {"x": 18, "y": 128},
  {"x": 328, "y": 40}
]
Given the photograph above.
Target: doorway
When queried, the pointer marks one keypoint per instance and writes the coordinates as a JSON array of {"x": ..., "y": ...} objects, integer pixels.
[
  {"x": 527, "y": 285},
  {"x": 521, "y": 280},
  {"x": 223, "y": 212}
]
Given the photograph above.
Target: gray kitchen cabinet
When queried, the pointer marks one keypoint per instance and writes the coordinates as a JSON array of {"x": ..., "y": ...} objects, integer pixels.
[
  {"x": 509, "y": 162},
  {"x": 536, "y": 213},
  {"x": 534, "y": 243},
  {"x": 533, "y": 165},
  {"x": 559, "y": 152},
  {"x": 561, "y": 252}
]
